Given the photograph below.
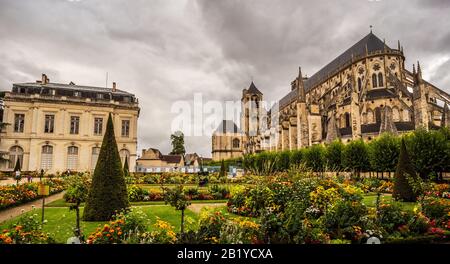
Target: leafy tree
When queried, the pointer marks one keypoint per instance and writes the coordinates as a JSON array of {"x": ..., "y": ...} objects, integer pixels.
[
  {"x": 126, "y": 170},
  {"x": 177, "y": 198},
  {"x": 108, "y": 193},
  {"x": 428, "y": 151},
  {"x": 77, "y": 193},
  {"x": 333, "y": 155},
  {"x": 404, "y": 174},
  {"x": 355, "y": 157},
  {"x": 314, "y": 158},
  {"x": 177, "y": 143},
  {"x": 383, "y": 153}
]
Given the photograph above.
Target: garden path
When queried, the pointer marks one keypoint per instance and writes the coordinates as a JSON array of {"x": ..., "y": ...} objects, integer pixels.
[
  {"x": 16, "y": 211},
  {"x": 197, "y": 207}
]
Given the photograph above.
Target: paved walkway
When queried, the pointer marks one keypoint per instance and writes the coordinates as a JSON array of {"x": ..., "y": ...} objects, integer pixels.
[{"x": 16, "y": 211}]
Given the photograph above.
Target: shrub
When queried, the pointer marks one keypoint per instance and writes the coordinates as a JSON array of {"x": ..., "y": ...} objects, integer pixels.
[
  {"x": 391, "y": 217},
  {"x": 333, "y": 155},
  {"x": 27, "y": 230},
  {"x": 436, "y": 208},
  {"x": 384, "y": 152},
  {"x": 108, "y": 192},
  {"x": 137, "y": 193},
  {"x": 345, "y": 219},
  {"x": 403, "y": 177},
  {"x": 314, "y": 158},
  {"x": 355, "y": 157},
  {"x": 429, "y": 151}
]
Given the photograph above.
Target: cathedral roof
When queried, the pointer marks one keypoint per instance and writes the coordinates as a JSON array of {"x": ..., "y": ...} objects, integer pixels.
[
  {"x": 373, "y": 44},
  {"x": 252, "y": 89},
  {"x": 227, "y": 126}
]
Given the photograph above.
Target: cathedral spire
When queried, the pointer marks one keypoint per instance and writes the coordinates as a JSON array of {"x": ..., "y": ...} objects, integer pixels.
[
  {"x": 398, "y": 45},
  {"x": 300, "y": 86},
  {"x": 419, "y": 71},
  {"x": 414, "y": 70}
]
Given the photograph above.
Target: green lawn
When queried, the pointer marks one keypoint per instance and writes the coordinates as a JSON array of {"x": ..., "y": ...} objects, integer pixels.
[
  {"x": 63, "y": 203},
  {"x": 61, "y": 221},
  {"x": 370, "y": 200}
]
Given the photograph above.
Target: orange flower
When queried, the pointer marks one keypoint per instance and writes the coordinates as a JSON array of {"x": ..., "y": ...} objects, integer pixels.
[
  {"x": 119, "y": 233},
  {"x": 108, "y": 235}
]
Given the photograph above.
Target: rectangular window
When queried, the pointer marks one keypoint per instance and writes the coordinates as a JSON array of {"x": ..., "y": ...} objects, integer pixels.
[
  {"x": 19, "y": 123},
  {"x": 125, "y": 128},
  {"x": 74, "y": 124},
  {"x": 49, "y": 123},
  {"x": 98, "y": 126}
]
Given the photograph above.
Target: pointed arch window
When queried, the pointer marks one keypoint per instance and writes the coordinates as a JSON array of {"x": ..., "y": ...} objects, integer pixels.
[
  {"x": 374, "y": 81},
  {"x": 359, "y": 84},
  {"x": 380, "y": 80}
]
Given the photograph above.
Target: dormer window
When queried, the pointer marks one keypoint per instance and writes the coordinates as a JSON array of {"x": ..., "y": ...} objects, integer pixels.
[
  {"x": 77, "y": 94},
  {"x": 53, "y": 92},
  {"x": 99, "y": 96}
]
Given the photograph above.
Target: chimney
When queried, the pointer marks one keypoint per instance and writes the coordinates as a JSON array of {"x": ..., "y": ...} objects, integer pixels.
[
  {"x": 114, "y": 87},
  {"x": 44, "y": 79}
]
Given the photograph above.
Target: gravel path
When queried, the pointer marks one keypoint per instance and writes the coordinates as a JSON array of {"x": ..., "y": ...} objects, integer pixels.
[
  {"x": 16, "y": 211},
  {"x": 197, "y": 207}
]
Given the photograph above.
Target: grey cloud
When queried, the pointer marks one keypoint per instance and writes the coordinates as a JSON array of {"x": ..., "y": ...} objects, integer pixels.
[{"x": 164, "y": 51}]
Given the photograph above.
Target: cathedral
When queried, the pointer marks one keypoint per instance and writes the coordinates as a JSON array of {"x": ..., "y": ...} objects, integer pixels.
[{"x": 364, "y": 92}]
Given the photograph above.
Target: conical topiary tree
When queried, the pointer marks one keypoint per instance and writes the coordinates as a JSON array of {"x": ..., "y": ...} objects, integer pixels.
[
  {"x": 126, "y": 170},
  {"x": 404, "y": 174},
  {"x": 223, "y": 171},
  {"x": 108, "y": 192}
]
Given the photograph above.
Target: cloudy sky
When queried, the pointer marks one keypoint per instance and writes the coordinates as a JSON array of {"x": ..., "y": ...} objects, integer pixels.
[{"x": 166, "y": 50}]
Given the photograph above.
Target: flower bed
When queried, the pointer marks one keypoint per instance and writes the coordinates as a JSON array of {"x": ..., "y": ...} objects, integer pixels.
[
  {"x": 215, "y": 192},
  {"x": 13, "y": 195}
]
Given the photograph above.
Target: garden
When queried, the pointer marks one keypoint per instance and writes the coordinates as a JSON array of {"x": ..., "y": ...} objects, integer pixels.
[{"x": 392, "y": 189}]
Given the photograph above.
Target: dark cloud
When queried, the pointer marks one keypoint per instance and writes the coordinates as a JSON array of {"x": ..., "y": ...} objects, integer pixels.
[{"x": 164, "y": 51}]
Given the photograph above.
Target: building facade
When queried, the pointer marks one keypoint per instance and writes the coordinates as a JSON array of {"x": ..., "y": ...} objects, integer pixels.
[
  {"x": 365, "y": 91},
  {"x": 58, "y": 127},
  {"x": 152, "y": 160}
]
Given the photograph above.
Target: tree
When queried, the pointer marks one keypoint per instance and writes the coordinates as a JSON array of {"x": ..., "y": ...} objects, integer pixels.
[
  {"x": 177, "y": 198},
  {"x": 223, "y": 170},
  {"x": 333, "y": 155},
  {"x": 383, "y": 153},
  {"x": 108, "y": 193},
  {"x": 428, "y": 151},
  {"x": 126, "y": 170},
  {"x": 355, "y": 157},
  {"x": 177, "y": 143},
  {"x": 404, "y": 174},
  {"x": 77, "y": 193}
]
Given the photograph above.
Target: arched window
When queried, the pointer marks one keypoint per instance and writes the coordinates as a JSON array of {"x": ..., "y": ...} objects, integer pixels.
[
  {"x": 359, "y": 84},
  {"x": 380, "y": 80},
  {"x": 72, "y": 158},
  {"x": 374, "y": 80},
  {"x": 15, "y": 152},
  {"x": 125, "y": 154},
  {"x": 47, "y": 157},
  {"x": 236, "y": 143},
  {"x": 94, "y": 157},
  {"x": 395, "y": 114},
  {"x": 347, "y": 119},
  {"x": 370, "y": 118}
]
